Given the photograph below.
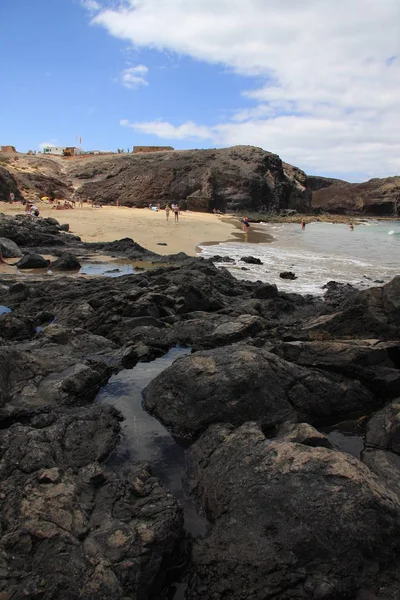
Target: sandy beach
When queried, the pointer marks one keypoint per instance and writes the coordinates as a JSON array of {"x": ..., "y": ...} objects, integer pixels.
[{"x": 146, "y": 227}]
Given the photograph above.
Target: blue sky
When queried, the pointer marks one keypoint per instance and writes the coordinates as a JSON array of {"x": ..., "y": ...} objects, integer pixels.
[{"x": 317, "y": 82}]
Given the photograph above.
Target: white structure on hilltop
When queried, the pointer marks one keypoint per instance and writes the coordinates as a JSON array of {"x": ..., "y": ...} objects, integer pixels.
[{"x": 58, "y": 150}]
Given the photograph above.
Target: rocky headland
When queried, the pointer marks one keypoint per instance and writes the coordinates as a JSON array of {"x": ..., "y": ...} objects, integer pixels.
[
  {"x": 289, "y": 514},
  {"x": 241, "y": 178}
]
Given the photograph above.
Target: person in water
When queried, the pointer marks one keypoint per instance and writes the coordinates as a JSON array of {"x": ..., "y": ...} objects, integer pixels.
[
  {"x": 351, "y": 226},
  {"x": 246, "y": 224},
  {"x": 303, "y": 224}
]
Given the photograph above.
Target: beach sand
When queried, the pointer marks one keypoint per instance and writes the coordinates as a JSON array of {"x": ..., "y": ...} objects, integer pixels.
[{"x": 144, "y": 226}]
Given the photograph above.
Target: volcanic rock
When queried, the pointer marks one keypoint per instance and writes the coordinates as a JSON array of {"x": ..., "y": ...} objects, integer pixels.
[
  {"x": 287, "y": 275},
  {"x": 242, "y": 177},
  {"x": 378, "y": 197},
  {"x": 9, "y": 249},
  {"x": 234, "y": 384},
  {"x": 33, "y": 261},
  {"x": 371, "y": 313},
  {"x": 251, "y": 260},
  {"x": 66, "y": 262},
  {"x": 286, "y": 520},
  {"x": 70, "y": 527}
]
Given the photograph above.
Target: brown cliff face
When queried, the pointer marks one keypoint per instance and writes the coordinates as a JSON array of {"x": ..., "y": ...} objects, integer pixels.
[
  {"x": 376, "y": 197},
  {"x": 238, "y": 178},
  {"x": 30, "y": 177},
  {"x": 242, "y": 178}
]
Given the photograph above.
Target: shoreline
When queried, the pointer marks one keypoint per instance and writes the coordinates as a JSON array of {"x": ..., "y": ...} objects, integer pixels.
[{"x": 149, "y": 229}]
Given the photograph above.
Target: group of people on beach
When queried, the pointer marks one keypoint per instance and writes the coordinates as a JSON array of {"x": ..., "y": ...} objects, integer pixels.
[{"x": 175, "y": 209}]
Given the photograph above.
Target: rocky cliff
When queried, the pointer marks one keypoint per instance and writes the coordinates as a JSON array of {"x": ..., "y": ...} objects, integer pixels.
[
  {"x": 376, "y": 197},
  {"x": 238, "y": 178},
  {"x": 241, "y": 178}
]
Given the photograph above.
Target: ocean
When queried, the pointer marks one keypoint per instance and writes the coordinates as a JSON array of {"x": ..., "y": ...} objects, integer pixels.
[{"x": 322, "y": 252}]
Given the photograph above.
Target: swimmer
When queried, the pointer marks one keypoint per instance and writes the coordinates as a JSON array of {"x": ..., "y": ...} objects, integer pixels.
[
  {"x": 351, "y": 226},
  {"x": 303, "y": 224}
]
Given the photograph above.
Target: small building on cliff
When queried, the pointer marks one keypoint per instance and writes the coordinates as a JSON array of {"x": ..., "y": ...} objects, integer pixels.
[
  {"x": 10, "y": 149},
  {"x": 54, "y": 150},
  {"x": 72, "y": 151},
  {"x": 143, "y": 149}
]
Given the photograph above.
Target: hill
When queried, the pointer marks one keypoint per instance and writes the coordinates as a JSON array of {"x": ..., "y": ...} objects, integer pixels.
[{"x": 238, "y": 178}]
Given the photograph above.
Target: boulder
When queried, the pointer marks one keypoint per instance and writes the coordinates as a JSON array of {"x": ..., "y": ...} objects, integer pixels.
[
  {"x": 67, "y": 262},
  {"x": 33, "y": 261},
  {"x": 234, "y": 384},
  {"x": 251, "y": 260},
  {"x": 373, "y": 362},
  {"x": 287, "y": 275},
  {"x": 371, "y": 313},
  {"x": 9, "y": 249},
  {"x": 16, "y": 328},
  {"x": 35, "y": 233},
  {"x": 383, "y": 429},
  {"x": 218, "y": 259},
  {"x": 286, "y": 520}
]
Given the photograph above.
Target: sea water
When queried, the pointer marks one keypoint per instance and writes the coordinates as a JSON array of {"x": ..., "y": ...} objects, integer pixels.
[{"x": 322, "y": 252}]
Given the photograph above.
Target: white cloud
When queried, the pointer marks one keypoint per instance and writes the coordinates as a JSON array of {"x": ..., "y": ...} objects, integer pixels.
[
  {"x": 91, "y": 5},
  {"x": 331, "y": 70},
  {"x": 188, "y": 130},
  {"x": 133, "y": 77}
]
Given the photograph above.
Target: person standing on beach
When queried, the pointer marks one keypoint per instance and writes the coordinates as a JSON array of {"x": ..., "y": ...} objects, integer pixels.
[
  {"x": 167, "y": 209},
  {"x": 176, "y": 212},
  {"x": 12, "y": 197},
  {"x": 246, "y": 224}
]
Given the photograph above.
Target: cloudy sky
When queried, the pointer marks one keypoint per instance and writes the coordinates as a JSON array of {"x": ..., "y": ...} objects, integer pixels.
[{"x": 315, "y": 81}]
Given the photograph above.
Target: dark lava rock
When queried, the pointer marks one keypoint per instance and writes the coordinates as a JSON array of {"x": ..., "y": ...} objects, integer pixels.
[
  {"x": 371, "y": 313},
  {"x": 337, "y": 293},
  {"x": 374, "y": 363},
  {"x": 377, "y": 197},
  {"x": 59, "y": 367},
  {"x": 67, "y": 262},
  {"x": 382, "y": 452},
  {"x": 383, "y": 429},
  {"x": 16, "y": 328},
  {"x": 251, "y": 260},
  {"x": 162, "y": 244},
  {"x": 9, "y": 248},
  {"x": 287, "y": 275},
  {"x": 35, "y": 233},
  {"x": 70, "y": 527},
  {"x": 287, "y": 520},
  {"x": 242, "y": 177},
  {"x": 234, "y": 384},
  {"x": 33, "y": 261},
  {"x": 265, "y": 291},
  {"x": 217, "y": 258},
  {"x": 64, "y": 227}
]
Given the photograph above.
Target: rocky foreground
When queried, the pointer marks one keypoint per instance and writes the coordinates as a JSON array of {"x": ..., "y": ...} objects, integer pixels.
[{"x": 290, "y": 516}]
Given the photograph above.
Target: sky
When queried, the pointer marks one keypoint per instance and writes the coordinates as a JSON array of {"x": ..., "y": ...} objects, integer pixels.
[{"x": 315, "y": 81}]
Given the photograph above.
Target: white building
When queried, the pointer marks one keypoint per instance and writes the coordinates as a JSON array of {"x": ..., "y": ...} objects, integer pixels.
[{"x": 59, "y": 150}]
